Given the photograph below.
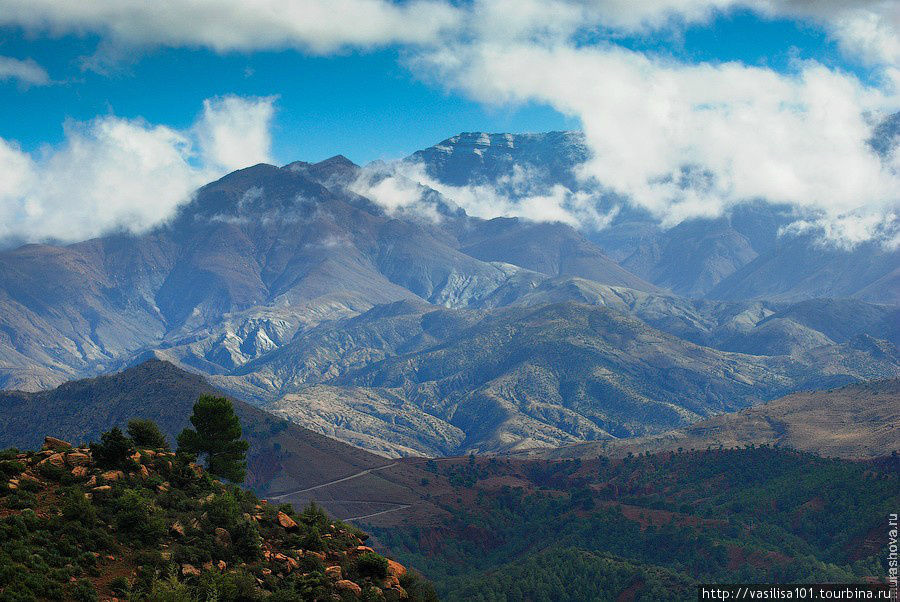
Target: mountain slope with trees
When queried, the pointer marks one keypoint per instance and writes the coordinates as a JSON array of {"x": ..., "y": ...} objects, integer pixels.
[{"x": 123, "y": 520}]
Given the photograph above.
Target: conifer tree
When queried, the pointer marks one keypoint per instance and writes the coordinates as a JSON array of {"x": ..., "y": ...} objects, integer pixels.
[{"x": 217, "y": 434}]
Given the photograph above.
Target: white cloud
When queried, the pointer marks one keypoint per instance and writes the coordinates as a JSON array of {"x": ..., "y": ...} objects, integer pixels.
[
  {"x": 226, "y": 25},
  {"x": 686, "y": 140},
  {"x": 27, "y": 72},
  {"x": 405, "y": 186},
  {"x": 866, "y": 29},
  {"x": 235, "y": 132},
  {"x": 113, "y": 173},
  {"x": 851, "y": 229},
  {"x": 797, "y": 138}
]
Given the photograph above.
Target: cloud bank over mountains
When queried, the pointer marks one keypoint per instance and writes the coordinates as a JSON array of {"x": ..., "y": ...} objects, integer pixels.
[
  {"x": 681, "y": 140},
  {"x": 113, "y": 173}
]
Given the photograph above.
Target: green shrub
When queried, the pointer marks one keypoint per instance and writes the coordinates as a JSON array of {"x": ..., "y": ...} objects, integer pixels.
[
  {"x": 76, "y": 507},
  {"x": 113, "y": 449},
  {"x": 315, "y": 515},
  {"x": 246, "y": 541},
  {"x": 313, "y": 540},
  {"x": 83, "y": 591},
  {"x": 224, "y": 510},
  {"x": 11, "y": 468},
  {"x": 418, "y": 587},
  {"x": 311, "y": 564},
  {"x": 135, "y": 516},
  {"x": 120, "y": 586},
  {"x": 146, "y": 433},
  {"x": 170, "y": 590},
  {"x": 29, "y": 485},
  {"x": 226, "y": 586},
  {"x": 21, "y": 499},
  {"x": 370, "y": 564},
  {"x": 53, "y": 473}
]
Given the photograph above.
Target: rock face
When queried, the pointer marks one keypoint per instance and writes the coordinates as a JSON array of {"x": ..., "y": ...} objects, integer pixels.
[
  {"x": 77, "y": 459},
  {"x": 286, "y": 521},
  {"x": 348, "y": 586},
  {"x": 56, "y": 444}
]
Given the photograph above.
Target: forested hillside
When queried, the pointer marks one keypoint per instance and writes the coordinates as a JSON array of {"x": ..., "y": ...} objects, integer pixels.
[{"x": 650, "y": 525}]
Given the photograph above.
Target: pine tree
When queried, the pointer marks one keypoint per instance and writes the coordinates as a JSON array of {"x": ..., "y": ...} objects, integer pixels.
[
  {"x": 146, "y": 433},
  {"x": 216, "y": 433}
]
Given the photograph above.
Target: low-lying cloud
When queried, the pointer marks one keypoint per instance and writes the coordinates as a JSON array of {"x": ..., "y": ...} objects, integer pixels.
[
  {"x": 114, "y": 173},
  {"x": 406, "y": 186},
  {"x": 799, "y": 138}
]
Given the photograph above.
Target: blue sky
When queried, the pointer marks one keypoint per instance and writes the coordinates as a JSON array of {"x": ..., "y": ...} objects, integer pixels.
[
  {"x": 362, "y": 103},
  {"x": 115, "y": 111}
]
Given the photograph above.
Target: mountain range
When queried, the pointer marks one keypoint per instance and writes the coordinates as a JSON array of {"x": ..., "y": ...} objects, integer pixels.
[{"x": 411, "y": 332}]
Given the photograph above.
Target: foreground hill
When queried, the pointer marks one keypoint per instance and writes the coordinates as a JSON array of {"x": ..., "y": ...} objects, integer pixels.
[
  {"x": 282, "y": 455},
  {"x": 285, "y": 460},
  {"x": 857, "y": 421},
  {"x": 157, "y": 527}
]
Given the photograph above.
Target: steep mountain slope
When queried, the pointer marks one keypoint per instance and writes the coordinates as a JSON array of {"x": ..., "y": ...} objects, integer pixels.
[
  {"x": 67, "y": 310},
  {"x": 857, "y": 421},
  {"x": 257, "y": 256},
  {"x": 553, "y": 249},
  {"x": 692, "y": 257},
  {"x": 801, "y": 268}
]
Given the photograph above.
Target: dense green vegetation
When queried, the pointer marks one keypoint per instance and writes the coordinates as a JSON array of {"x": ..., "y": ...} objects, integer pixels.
[
  {"x": 142, "y": 523},
  {"x": 650, "y": 522}
]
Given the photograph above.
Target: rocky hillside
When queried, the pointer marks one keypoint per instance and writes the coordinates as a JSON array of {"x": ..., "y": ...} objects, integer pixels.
[
  {"x": 284, "y": 460},
  {"x": 542, "y": 375},
  {"x": 282, "y": 455},
  {"x": 75, "y": 525}
]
